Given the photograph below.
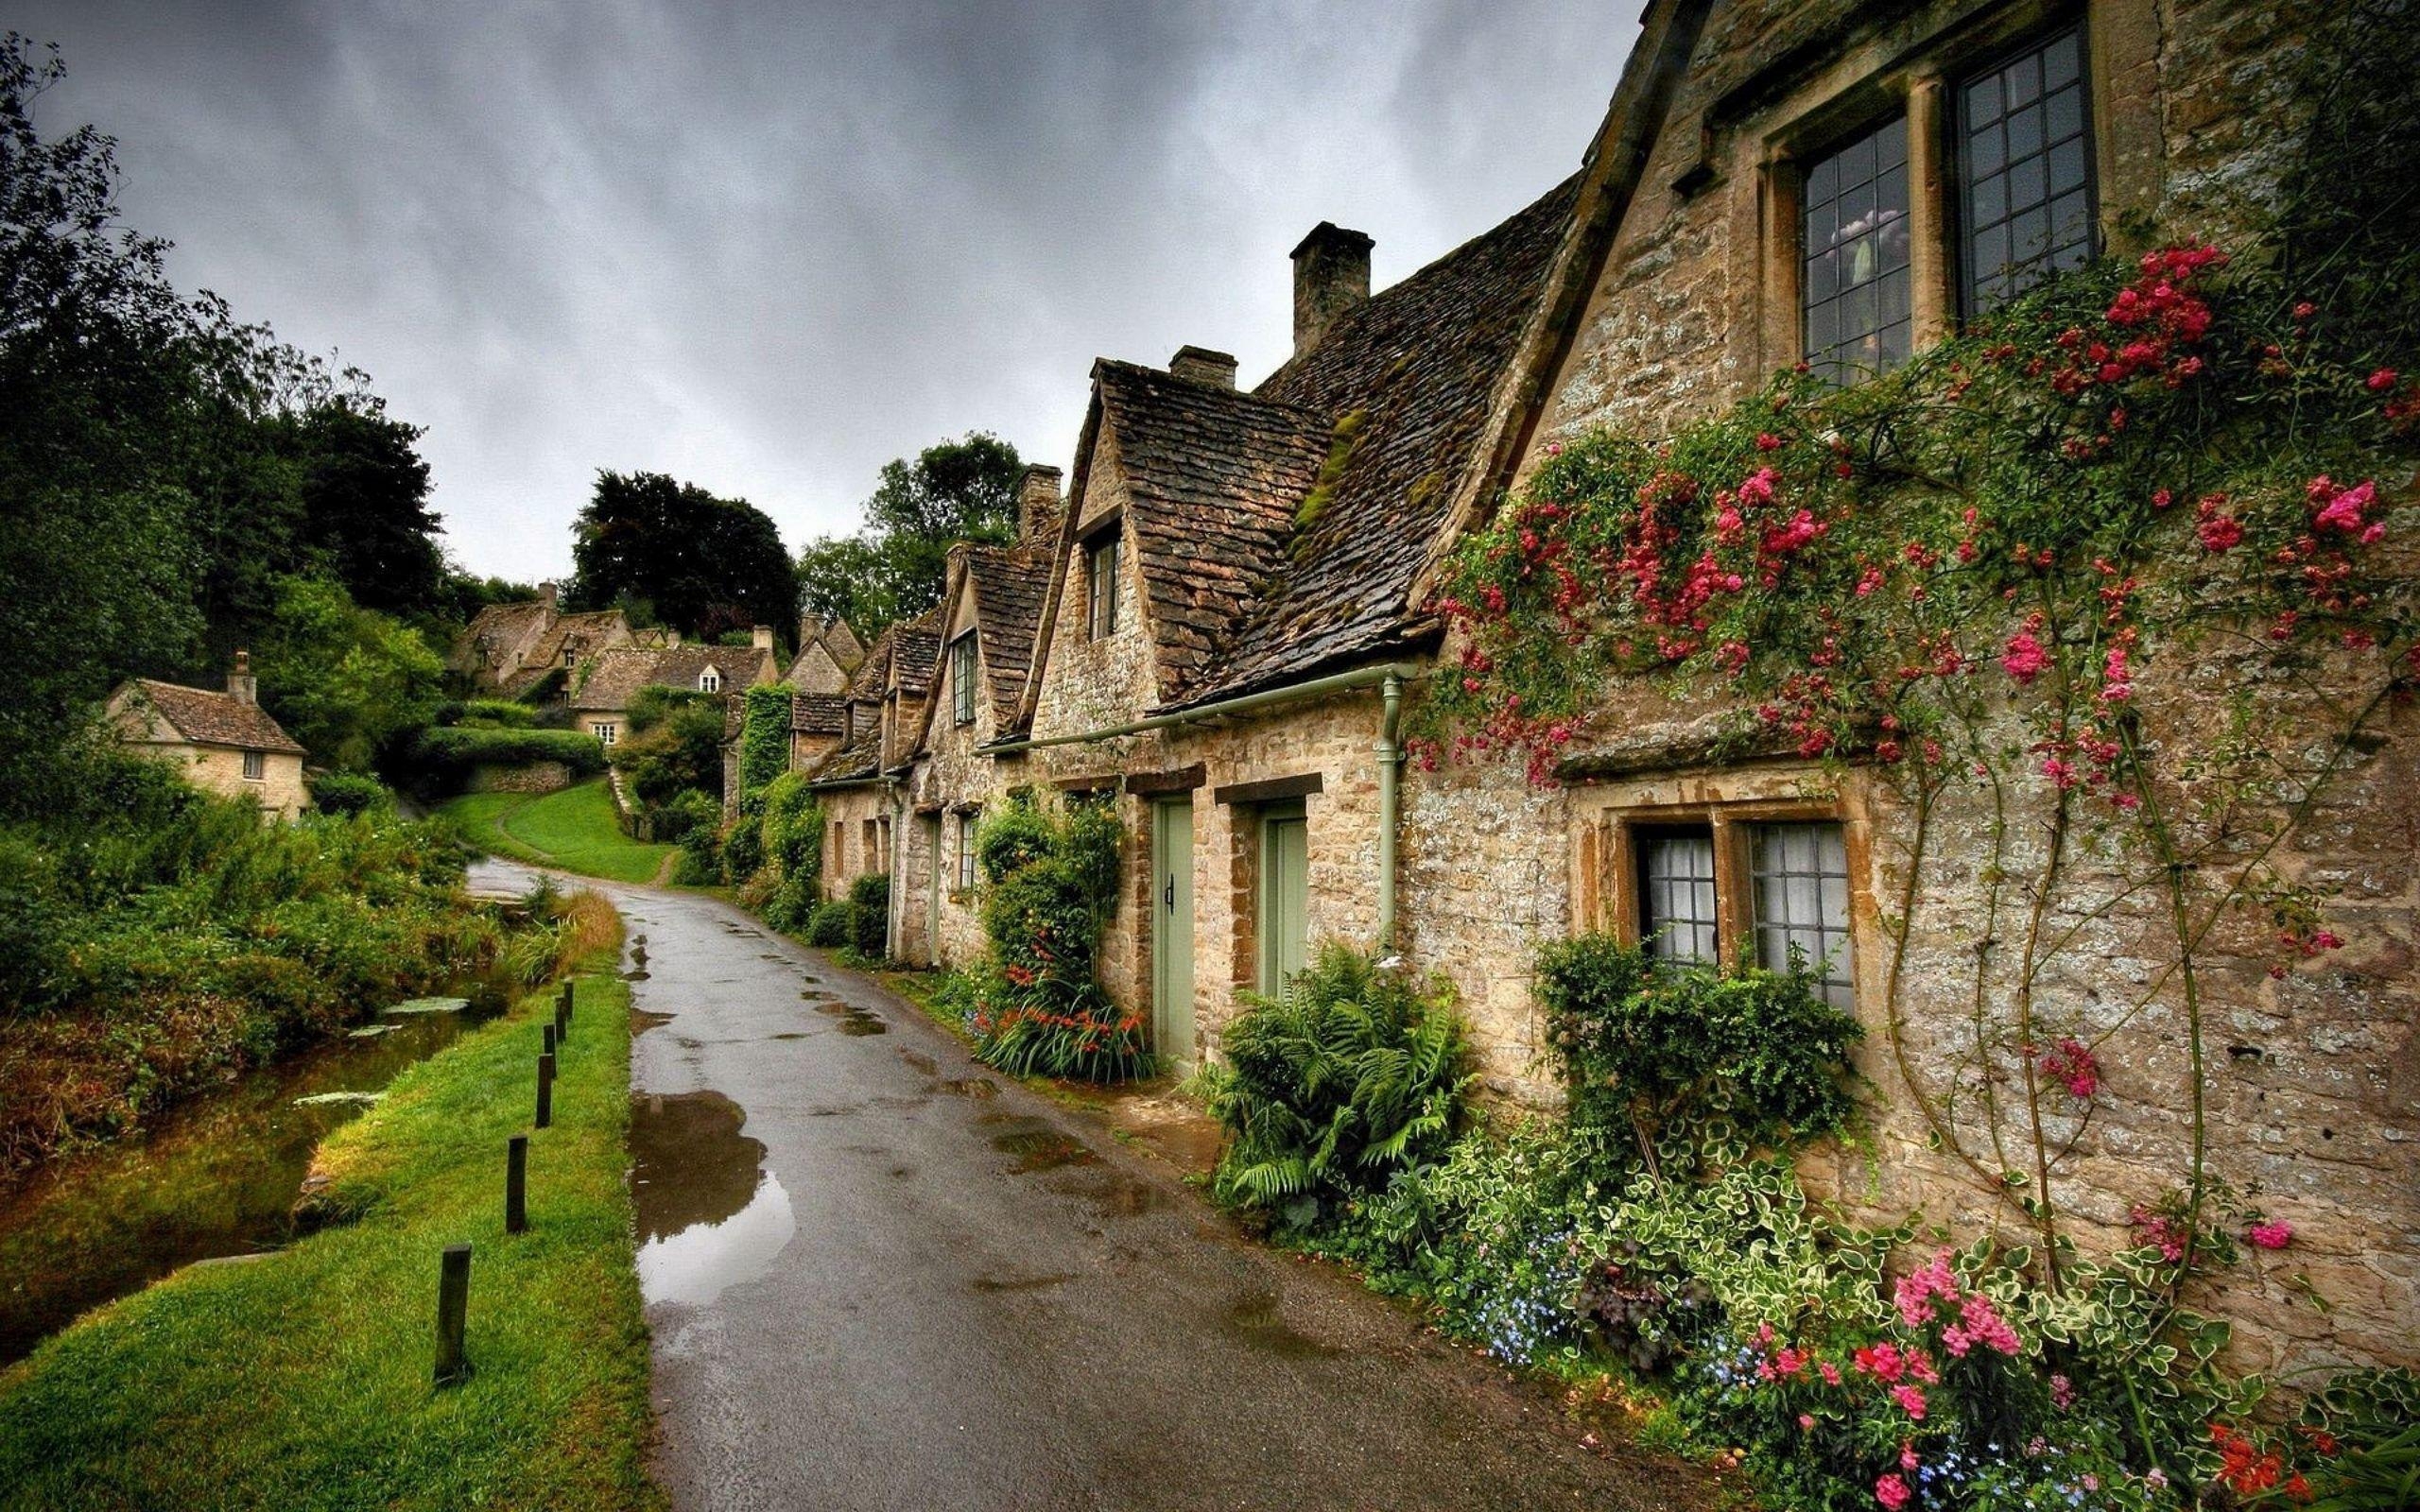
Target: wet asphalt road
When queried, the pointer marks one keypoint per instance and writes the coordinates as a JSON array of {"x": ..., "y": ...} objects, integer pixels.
[{"x": 879, "y": 1277}]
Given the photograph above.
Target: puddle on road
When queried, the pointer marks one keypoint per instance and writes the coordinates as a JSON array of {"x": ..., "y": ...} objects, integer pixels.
[
  {"x": 918, "y": 1060},
  {"x": 1114, "y": 1194},
  {"x": 793, "y": 1034},
  {"x": 710, "y": 1216},
  {"x": 642, "y": 1021},
  {"x": 854, "y": 1021},
  {"x": 1256, "y": 1319},
  {"x": 1037, "y": 1146},
  {"x": 974, "y": 1086}
]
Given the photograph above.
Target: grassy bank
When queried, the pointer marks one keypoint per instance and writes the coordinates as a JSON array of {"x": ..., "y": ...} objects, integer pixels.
[
  {"x": 574, "y": 829},
  {"x": 301, "y": 1380}
]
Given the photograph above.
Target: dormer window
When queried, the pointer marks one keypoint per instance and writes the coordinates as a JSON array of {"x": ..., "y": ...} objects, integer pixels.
[
  {"x": 710, "y": 682},
  {"x": 1101, "y": 585},
  {"x": 961, "y": 678}
]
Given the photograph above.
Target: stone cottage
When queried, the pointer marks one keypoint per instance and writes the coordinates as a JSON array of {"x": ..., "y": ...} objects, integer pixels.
[
  {"x": 857, "y": 780},
  {"x": 508, "y": 650},
  {"x": 828, "y": 652},
  {"x": 1231, "y": 624},
  {"x": 223, "y": 743},
  {"x": 603, "y": 686}
]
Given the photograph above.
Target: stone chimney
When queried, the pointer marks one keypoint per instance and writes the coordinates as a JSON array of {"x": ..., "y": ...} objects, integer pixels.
[
  {"x": 1202, "y": 366},
  {"x": 761, "y": 637},
  {"x": 1331, "y": 276},
  {"x": 550, "y": 595},
  {"x": 1038, "y": 502},
  {"x": 241, "y": 685}
]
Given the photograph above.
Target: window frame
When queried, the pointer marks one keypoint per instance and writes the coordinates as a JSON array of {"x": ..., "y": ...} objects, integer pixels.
[
  {"x": 710, "y": 680},
  {"x": 606, "y": 730},
  {"x": 256, "y": 767},
  {"x": 1610, "y": 893},
  {"x": 1956, "y": 125},
  {"x": 962, "y": 653},
  {"x": 1104, "y": 552},
  {"x": 962, "y": 865},
  {"x": 1869, "y": 128}
]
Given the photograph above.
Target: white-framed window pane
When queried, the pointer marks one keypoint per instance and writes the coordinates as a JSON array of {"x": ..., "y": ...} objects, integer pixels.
[
  {"x": 1856, "y": 310},
  {"x": 1100, "y": 587},
  {"x": 2025, "y": 171},
  {"x": 256, "y": 767},
  {"x": 962, "y": 679},
  {"x": 1802, "y": 885},
  {"x": 966, "y": 851},
  {"x": 1676, "y": 884}
]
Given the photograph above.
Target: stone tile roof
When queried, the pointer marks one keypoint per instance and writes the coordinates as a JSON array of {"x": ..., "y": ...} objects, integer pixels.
[
  {"x": 818, "y": 713},
  {"x": 1404, "y": 384},
  {"x": 615, "y": 676},
  {"x": 1011, "y": 583},
  {"x": 1213, "y": 482},
  {"x": 915, "y": 646},
  {"x": 854, "y": 761},
  {"x": 212, "y": 718}
]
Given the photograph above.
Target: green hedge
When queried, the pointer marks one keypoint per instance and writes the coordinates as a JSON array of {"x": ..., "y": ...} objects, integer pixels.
[
  {"x": 453, "y": 754},
  {"x": 870, "y": 917}
]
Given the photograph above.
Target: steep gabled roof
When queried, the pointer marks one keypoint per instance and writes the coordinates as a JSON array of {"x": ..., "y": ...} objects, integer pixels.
[
  {"x": 212, "y": 718},
  {"x": 1406, "y": 382},
  {"x": 1011, "y": 583},
  {"x": 855, "y": 762},
  {"x": 915, "y": 647},
  {"x": 818, "y": 713},
  {"x": 618, "y": 675},
  {"x": 1214, "y": 480}
]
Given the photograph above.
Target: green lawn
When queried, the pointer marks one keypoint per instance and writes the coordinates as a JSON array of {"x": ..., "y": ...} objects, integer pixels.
[
  {"x": 301, "y": 1380},
  {"x": 573, "y": 829}
]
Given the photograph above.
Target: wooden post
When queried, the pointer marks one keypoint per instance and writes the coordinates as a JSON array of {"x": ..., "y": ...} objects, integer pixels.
[
  {"x": 453, "y": 1309},
  {"x": 546, "y": 1089},
  {"x": 547, "y": 1039},
  {"x": 516, "y": 1184},
  {"x": 562, "y": 1012}
]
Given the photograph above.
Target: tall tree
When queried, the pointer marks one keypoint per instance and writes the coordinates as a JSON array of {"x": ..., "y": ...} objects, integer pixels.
[
  {"x": 365, "y": 503},
  {"x": 896, "y": 566},
  {"x": 701, "y": 564}
]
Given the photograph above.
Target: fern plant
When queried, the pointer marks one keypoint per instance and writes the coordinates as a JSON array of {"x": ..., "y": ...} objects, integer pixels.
[{"x": 1355, "y": 1073}]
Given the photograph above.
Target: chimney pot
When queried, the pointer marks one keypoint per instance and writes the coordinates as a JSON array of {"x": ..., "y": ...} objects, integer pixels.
[
  {"x": 1038, "y": 503},
  {"x": 1331, "y": 276},
  {"x": 761, "y": 637},
  {"x": 241, "y": 685},
  {"x": 1202, "y": 366},
  {"x": 549, "y": 594}
]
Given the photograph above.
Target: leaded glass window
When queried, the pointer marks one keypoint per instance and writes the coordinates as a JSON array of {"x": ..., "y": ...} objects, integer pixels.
[
  {"x": 1676, "y": 895},
  {"x": 1853, "y": 290},
  {"x": 1802, "y": 883},
  {"x": 2025, "y": 171}
]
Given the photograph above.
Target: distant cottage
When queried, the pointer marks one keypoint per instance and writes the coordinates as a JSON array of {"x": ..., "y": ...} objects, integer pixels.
[
  {"x": 604, "y": 686},
  {"x": 509, "y": 649},
  {"x": 223, "y": 743}
]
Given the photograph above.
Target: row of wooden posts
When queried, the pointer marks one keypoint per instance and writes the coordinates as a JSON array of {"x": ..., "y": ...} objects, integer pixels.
[{"x": 454, "y": 1266}]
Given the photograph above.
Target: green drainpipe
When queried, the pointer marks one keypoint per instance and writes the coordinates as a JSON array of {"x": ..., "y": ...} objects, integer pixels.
[{"x": 1389, "y": 750}]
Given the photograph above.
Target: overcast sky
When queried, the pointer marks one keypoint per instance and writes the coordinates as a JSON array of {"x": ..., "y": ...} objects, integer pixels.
[{"x": 767, "y": 246}]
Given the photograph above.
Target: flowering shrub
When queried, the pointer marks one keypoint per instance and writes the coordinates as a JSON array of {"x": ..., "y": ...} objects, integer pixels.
[{"x": 1034, "y": 1004}]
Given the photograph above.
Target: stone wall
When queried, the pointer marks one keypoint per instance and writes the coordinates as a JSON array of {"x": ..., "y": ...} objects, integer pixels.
[
  {"x": 280, "y": 790},
  {"x": 533, "y": 777}
]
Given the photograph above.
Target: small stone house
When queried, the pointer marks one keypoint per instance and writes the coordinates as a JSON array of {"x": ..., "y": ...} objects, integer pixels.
[
  {"x": 856, "y": 781},
  {"x": 223, "y": 743},
  {"x": 508, "y": 650},
  {"x": 603, "y": 686},
  {"x": 1232, "y": 616},
  {"x": 828, "y": 652}
]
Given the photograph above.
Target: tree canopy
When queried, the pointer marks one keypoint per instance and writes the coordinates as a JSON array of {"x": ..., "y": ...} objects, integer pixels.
[
  {"x": 896, "y": 567},
  {"x": 673, "y": 554}
]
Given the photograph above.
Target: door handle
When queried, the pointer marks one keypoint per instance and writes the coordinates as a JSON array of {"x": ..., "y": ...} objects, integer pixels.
[{"x": 1168, "y": 897}]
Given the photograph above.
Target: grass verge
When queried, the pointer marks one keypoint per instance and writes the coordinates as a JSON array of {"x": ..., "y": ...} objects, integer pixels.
[
  {"x": 574, "y": 829},
  {"x": 301, "y": 1380}
]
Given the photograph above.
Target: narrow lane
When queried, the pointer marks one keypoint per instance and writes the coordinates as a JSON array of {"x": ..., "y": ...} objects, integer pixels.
[{"x": 880, "y": 1277}]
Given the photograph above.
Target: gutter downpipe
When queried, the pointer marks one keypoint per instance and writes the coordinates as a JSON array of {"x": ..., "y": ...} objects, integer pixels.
[
  {"x": 1389, "y": 679},
  {"x": 1390, "y": 752}
]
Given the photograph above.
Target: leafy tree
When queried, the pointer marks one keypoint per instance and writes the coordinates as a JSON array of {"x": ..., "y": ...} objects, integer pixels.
[
  {"x": 346, "y": 681},
  {"x": 679, "y": 751},
  {"x": 702, "y": 564},
  {"x": 896, "y": 567},
  {"x": 365, "y": 504}
]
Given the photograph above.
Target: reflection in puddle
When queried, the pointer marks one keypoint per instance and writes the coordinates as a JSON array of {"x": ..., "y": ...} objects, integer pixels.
[
  {"x": 918, "y": 1060},
  {"x": 642, "y": 1021},
  {"x": 975, "y": 1087},
  {"x": 792, "y": 1035},
  {"x": 1023, "y": 1283},
  {"x": 709, "y": 1215},
  {"x": 1114, "y": 1194},
  {"x": 1041, "y": 1147}
]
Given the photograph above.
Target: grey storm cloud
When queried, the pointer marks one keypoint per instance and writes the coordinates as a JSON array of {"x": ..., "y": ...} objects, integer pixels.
[{"x": 766, "y": 247}]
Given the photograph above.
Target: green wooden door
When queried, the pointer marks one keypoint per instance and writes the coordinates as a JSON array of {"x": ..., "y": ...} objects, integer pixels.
[
  {"x": 1172, "y": 929},
  {"x": 1285, "y": 894}
]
